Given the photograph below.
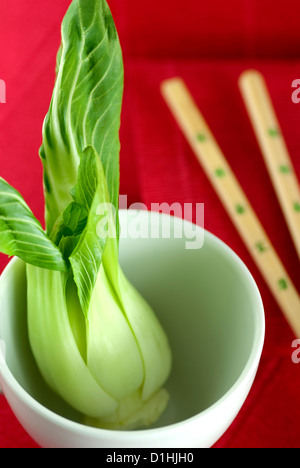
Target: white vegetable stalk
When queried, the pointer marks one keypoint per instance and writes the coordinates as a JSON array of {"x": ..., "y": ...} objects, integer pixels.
[{"x": 111, "y": 365}]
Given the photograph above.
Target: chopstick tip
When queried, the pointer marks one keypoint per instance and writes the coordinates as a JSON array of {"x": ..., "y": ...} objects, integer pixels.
[
  {"x": 170, "y": 83},
  {"x": 249, "y": 75}
]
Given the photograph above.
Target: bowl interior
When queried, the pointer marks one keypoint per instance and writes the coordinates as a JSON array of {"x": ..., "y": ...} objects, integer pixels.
[{"x": 205, "y": 299}]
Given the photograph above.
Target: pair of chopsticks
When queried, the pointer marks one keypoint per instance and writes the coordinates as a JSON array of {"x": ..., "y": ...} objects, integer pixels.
[{"x": 225, "y": 183}]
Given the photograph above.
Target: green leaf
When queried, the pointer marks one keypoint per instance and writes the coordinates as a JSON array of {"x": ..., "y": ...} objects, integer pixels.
[
  {"x": 92, "y": 194},
  {"x": 86, "y": 104},
  {"x": 75, "y": 217},
  {"x": 82, "y": 230},
  {"x": 22, "y": 235},
  {"x": 71, "y": 223}
]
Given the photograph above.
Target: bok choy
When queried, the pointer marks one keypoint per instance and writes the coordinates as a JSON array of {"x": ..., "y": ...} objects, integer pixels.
[{"x": 96, "y": 341}]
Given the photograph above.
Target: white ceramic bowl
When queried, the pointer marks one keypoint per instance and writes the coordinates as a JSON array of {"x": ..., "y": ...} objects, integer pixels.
[{"x": 212, "y": 311}]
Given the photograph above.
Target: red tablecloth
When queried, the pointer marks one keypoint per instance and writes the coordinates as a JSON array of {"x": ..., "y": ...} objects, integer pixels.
[{"x": 209, "y": 46}]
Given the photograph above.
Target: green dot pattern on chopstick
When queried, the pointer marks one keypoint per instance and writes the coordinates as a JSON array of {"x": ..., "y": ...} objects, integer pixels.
[
  {"x": 201, "y": 137},
  {"x": 285, "y": 169},
  {"x": 220, "y": 173},
  {"x": 283, "y": 284},
  {"x": 273, "y": 132},
  {"x": 297, "y": 207},
  {"x": 261, "y": 247},
  {"x": 240, "y": 209}
]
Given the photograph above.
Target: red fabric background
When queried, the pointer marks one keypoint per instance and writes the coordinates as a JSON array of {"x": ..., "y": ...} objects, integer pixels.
[{"x": 209, "y": 44}]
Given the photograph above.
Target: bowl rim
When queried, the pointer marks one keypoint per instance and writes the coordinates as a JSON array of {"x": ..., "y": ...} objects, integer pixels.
[{"x": 245, "y": 376}]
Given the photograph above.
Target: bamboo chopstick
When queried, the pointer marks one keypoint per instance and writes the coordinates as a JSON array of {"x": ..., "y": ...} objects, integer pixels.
[
  {"x": 273, "y": 147},
  {"x": 218, "y": 171}
]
